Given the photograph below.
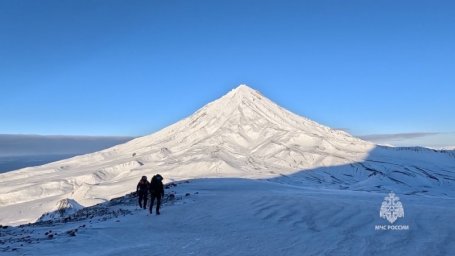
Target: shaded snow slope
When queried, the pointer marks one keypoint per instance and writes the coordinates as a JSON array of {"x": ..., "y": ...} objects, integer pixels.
[
  {"x": 242, "y": 134},
  {"x": 248, "y": 217},
  {"x": 411, "y": 171}
]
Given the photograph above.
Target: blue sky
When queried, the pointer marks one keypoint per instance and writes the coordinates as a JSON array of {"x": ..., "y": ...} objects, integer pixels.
[{"x": 132, "y": 67}]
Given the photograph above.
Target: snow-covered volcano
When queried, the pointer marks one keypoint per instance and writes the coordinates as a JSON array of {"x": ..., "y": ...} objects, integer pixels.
[{"x": 242, "y": 134}]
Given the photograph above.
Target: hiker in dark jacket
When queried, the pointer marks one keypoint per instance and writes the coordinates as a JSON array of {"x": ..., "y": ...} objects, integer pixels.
[
  {"x": 142, "y": 189},
  {"x": 156, "y": 191}
]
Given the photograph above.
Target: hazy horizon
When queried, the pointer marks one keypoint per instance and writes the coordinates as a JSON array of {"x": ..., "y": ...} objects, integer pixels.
[
  {"x": 22, "y": 145},
  {"x": 20, "y": 151}
]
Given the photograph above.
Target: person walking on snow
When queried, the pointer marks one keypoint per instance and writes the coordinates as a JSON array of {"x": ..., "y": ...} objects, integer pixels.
[
  {"x": 156, "y": 191},
  {"x": 141, "y": 190}
]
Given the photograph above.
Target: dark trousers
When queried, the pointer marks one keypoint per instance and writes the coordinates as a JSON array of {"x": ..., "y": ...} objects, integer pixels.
[
  {"x": 158, "y": 202},
  {"x": 142, "y": 199}
]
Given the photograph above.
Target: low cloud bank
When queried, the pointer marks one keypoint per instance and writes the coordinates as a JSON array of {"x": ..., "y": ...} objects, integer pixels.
[{"x": 20, "y": 145}]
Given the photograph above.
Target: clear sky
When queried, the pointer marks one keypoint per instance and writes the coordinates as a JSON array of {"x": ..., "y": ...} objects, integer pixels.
[{"x": 132, "y": 67}]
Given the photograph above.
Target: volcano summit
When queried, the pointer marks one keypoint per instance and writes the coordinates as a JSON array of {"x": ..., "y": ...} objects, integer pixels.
[{"x": 241, "y": 135}]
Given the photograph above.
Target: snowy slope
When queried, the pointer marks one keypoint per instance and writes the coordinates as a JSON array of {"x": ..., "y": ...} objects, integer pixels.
[
  {"x": 242, "y": 134},
  {"x": 246, "y": 217},
  {"x": 410, "y": 171}
]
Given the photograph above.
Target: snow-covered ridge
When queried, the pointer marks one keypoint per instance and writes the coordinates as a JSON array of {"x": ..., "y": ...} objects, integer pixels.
[
  {"x": 447, "y": 148},
  {"x": 242, "y": 134}
]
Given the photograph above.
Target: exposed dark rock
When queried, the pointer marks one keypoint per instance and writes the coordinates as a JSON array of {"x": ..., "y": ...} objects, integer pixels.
[
  {"x": 72, "y": 232},
  {"x": 171, "y": 197}
]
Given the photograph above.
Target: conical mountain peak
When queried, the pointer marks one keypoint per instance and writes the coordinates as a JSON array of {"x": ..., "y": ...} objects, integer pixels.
[
  {"x": 245, "y": 112},
  {"x": 244, "y": 91},
  {"x": 241, "y": 97},
  {"x": 243, "y": 88}
]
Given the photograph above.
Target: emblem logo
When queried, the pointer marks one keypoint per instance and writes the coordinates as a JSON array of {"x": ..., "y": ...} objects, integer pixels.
[{"x": 391, "y": 208}]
